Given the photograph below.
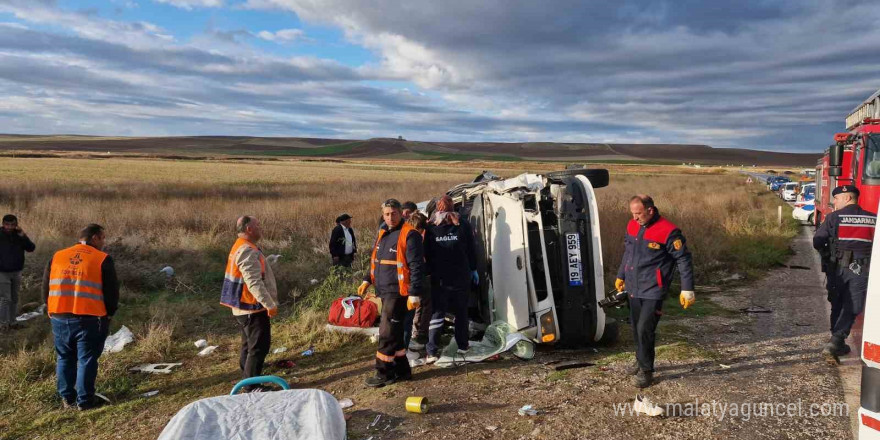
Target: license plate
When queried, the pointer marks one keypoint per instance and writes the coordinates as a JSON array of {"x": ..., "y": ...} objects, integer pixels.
[{"x": 573, "y": 246}]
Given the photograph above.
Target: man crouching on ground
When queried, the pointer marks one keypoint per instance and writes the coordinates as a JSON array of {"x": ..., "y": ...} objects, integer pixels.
[
  {"x": 397, "y": 270},
  {"x": 249, "y": 290}
]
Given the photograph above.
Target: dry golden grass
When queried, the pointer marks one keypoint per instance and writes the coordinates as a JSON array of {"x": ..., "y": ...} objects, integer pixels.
[{"x": 182, "y": 213}]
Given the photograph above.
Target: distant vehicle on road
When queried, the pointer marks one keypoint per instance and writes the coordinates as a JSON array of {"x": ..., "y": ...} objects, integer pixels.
[
  {"x": 789, "y": 191},
  {"x": 805, "y": 205},
  {"x": 777, "y": 182}
]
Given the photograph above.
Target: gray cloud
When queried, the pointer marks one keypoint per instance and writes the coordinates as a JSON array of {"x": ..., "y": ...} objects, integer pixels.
[
  {"x": 728, "y": 73},
  {"x": 756, "y": 74}
]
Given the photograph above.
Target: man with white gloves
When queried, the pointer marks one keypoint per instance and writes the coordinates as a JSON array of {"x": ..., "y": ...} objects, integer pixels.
[
  {"x": 397, "y": 270},
  {"x": 654, "y": 247}
]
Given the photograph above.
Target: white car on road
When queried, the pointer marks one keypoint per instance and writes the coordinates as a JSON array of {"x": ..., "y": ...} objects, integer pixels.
[
  {"x": 805, "y": 205},
  {"x": 789, "y": 192}
]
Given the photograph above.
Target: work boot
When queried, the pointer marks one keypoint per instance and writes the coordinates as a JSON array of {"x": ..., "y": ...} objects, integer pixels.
[
  {"x": 643, "y": 379},
  {"x": 633, "y": 369},
  {"x": 379, "y": 381},
  {"x": 94, "y": 402},
  {"x": 834, "y": 349}
]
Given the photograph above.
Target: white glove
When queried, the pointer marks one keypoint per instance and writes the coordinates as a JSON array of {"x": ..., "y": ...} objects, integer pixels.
[{"x": 687, "y": 298}]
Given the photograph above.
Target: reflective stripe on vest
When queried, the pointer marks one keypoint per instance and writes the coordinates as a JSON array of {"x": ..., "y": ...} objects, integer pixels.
[
  {"x": 400, "y": 262},
  {"x": 75, "y": 281},
  {"x": 235, "y": 292}
]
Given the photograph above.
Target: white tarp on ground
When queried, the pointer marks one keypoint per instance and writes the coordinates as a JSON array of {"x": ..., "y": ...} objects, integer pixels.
[
  {"x": 275, "y": 415},
  {"x": 369, "y": 331},
  {"x": 499, "y": 338}
]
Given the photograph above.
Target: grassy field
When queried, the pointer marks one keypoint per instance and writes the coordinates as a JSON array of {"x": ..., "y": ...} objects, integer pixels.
[{"x": 181, "y": 213}]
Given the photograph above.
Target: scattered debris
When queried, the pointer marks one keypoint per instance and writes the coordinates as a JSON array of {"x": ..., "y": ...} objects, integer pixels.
[
  {"x": 41, "y": 310},
  {"x": 279, "y": 350},
  {"x": 644, "y": 405},
  {"x": 285, "y": 363},
  {"x": 117, "y": 341},
  {"x": 309, "y": 352},
  {"x": 374, "y": 339},
  {"x": 375, "y": 421},
  {"x": 527, "y": 410},
  {"x": 168, "y": 271},
  {"x": 492, "y": 428},
  {"x": 313, "y": 281},
  {"x": 724, "y": 366},
  {"x": 156, "y": 368},
  {"x": 572, "y": 365},
  {"x": 755, "y": 309},
  {"x": 201, "y": 343},
  {"x": 346, "y": 403},
  {"x": 417, "y": 405},
  {"x": 150, "y": 393},
  {"x": 103, "y": 397},
  {"x": 207, "y": 350},
  {"x": 416, "y": 362},
  {"x": 734, "y": 277}
]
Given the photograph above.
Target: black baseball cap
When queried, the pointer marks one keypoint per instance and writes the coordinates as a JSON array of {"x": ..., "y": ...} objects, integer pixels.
[
  {"x": 342, "y": 218},
  {"x": 845, "y": 189}
]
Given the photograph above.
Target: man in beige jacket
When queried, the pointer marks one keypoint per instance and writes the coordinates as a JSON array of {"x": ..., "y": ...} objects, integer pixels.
[{"x": 249, "y": 290}]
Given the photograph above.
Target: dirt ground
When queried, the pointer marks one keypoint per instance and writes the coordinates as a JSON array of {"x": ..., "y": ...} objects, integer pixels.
[{"x": 708, "y": 364}]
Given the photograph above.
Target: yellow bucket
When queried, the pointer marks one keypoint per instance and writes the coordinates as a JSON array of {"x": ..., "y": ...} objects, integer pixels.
[{"x": 418, "y": 405}]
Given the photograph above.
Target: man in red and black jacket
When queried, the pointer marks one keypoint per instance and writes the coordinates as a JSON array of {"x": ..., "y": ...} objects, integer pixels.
[
  {"x": 845, "y": 239},
  {"x": 654, "y": 247}
]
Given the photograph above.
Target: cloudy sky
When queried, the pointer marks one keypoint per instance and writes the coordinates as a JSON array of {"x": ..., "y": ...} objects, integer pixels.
[{"x": 773, "y": 75}]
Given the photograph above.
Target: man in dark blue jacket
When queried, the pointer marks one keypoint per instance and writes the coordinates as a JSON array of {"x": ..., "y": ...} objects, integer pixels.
[
  {"x": 13, "y": 244},
  {"x": 654, "y": 247},
  {"x": 845, "y": 240},
  {"x": 452, "y": 262}
]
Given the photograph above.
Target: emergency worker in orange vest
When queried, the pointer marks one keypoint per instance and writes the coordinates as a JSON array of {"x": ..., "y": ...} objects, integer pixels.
[
  {"x": 249, "y": 290},
  {"x": 397, "y": 270},
  {"x": 81, "y": 293}
]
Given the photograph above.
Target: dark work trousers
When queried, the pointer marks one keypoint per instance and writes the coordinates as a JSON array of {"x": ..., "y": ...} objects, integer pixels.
[
  {"x": 391, "y": 359},
  {"x": 644, "y": 314},
  {"x": 79, "y": 342},
  {"x": 256, "y": 338},
  {"x": 418, "y": 320},
  {"x": 848, "y": 300},
  {"x": 345, "y": 260},
  {"x": 448, "y": 299}
]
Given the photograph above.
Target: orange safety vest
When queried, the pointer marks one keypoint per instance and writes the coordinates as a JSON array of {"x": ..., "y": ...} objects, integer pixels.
[
  {"x": 402, "y": 267},
  {"x": 235, "y": 291},
  {"x": 75, "y": 282}
]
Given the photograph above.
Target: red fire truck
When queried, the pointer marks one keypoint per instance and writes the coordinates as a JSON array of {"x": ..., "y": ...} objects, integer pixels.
[{"x": 853, "y": 159}]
